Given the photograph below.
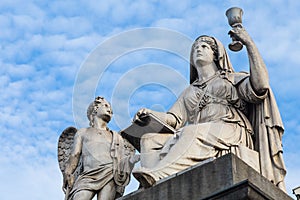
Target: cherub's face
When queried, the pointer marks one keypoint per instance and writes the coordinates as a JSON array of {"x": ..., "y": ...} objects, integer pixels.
[{"x": 103, "y": 110}]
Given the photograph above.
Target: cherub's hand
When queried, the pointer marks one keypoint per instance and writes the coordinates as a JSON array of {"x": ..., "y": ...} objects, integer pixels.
[
  {"x": 65, "y": 186},
  {"x": 134, "y": 159},
  {"x": 141, "y": 113},
  {"x": 68, "y": 181},
  {"x": 239, "y": 33}
]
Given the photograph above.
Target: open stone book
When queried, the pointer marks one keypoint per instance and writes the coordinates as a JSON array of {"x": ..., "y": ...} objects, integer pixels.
[{"x": 146, "y": 124}]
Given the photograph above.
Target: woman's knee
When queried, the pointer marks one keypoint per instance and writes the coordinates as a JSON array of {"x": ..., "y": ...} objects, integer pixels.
[
  {"x": 83, "y": 194},
  {"x": 152, "y": 141}
]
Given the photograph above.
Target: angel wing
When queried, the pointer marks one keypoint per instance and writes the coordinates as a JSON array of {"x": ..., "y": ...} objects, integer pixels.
[{"x": 65, "y": 145}]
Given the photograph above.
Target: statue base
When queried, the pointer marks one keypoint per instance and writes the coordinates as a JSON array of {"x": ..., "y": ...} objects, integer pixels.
[{"x": 227, "y": 177}]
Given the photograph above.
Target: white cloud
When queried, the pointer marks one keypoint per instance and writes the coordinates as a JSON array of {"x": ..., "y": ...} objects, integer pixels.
[
  {"x": 41, "y": 181},
  {"x": 74, "y": 26}
]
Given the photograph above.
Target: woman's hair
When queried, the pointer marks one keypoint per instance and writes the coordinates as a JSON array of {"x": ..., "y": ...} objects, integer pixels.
[
  {"x": 221, "y": 58},
  {"x": 210, "y": 41}
]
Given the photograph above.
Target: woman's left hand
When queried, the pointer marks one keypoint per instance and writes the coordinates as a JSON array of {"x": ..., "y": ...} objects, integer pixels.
[
  {"x": 141, "y": 113},
  {"x": 239, "y": 33}
]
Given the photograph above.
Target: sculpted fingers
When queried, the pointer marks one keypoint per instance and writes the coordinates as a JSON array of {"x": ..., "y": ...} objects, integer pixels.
[
  {"x": 134, "y": 159},
  {"x": 142, "y": 112},
  {"x": 68, "y": 180},
  {"x": 65, "y": 185},
  {"x": 136, "y": 116},
  {"x": 239, "y": 33}
]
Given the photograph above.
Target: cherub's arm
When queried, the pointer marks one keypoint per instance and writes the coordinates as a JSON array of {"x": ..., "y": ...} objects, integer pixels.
[{"x": 74, "y": 158}]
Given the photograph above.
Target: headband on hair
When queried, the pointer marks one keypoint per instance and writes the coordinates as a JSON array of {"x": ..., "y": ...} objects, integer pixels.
[{"x": 222, "y": 61}]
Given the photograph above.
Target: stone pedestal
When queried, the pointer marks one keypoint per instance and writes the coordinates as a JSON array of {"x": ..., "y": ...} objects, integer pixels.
[{"x": 227, "y": 177}]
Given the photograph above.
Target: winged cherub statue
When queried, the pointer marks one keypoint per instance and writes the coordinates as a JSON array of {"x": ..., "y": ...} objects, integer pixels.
[{"x": 95, "y": 160}]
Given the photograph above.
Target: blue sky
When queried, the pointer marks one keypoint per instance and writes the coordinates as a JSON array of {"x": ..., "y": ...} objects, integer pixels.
[{"x": 56, "y": 52}]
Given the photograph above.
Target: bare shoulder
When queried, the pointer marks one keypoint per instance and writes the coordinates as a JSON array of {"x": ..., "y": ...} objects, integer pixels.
[{"x": 83, "y": 131}]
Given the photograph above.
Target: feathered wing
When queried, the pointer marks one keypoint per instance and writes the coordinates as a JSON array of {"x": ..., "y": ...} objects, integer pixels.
[{"x": 65, "y": 145}]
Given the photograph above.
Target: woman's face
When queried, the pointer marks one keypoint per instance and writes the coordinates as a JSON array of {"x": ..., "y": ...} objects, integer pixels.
[{"x": 202, "y": 54}]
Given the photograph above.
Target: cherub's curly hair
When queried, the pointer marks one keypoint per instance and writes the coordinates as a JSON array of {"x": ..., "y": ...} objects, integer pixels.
[{"x": 93, "y": 107}]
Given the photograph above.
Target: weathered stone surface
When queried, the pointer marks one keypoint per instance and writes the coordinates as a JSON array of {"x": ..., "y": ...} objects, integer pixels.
[
  {"x": 220, "y": 111},
  {"x": 95, "y": 160},
  {"x": 227, "y": 177}
]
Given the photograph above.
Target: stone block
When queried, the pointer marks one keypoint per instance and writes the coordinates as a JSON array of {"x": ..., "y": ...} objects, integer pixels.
[{"x": 227, "y": 177}]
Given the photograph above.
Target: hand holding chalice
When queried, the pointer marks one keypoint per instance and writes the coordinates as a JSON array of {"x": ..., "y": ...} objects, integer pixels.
[{"x": 234, "y": 16}]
